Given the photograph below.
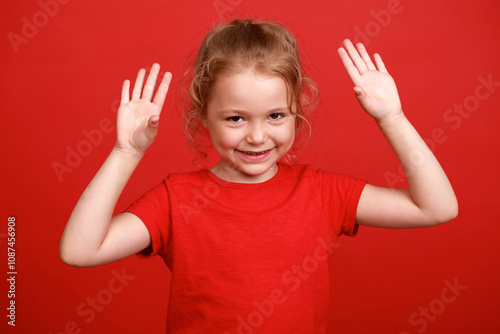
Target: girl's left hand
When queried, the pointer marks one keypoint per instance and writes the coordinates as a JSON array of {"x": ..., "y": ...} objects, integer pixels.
[{"x": 374, "y": 87}]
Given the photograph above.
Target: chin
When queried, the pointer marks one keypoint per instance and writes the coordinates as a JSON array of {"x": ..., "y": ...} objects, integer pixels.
[{"x": 255, "y": 170}]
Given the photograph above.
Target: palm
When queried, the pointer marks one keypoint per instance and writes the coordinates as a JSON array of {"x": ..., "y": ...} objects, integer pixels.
[
  {"x": 132, "y": 124},
  {"x": 375, "y": 88},
  {"x": 138, "y": 118}
]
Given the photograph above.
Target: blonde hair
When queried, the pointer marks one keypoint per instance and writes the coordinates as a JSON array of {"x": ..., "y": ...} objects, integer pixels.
[{"x": 265, "y": 47}]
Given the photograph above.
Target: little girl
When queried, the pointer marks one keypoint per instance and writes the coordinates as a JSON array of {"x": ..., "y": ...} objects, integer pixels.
[{"x": 247, "y": 241}]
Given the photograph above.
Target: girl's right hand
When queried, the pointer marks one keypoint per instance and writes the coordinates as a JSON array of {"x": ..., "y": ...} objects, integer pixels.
[{"x": 137, "y": 121}]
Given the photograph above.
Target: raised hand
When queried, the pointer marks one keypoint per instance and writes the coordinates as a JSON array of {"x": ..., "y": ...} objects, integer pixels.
[
  {"x": 374, "y": 88},
  {"x": 138, "y": 118}
]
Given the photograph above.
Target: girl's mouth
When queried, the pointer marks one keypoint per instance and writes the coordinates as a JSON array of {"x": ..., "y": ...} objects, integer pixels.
[
  {"x": 255, "y": 153},
  {"x": 252, "y": 156}
]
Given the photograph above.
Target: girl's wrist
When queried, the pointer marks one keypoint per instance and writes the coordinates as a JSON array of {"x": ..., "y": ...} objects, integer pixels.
[
  {"x": 128, "y": 152},
  {"x": 390, "y": 121}
]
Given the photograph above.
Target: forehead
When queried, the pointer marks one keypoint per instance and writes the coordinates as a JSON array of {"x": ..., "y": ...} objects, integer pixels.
[{"x": 248, "y": 90}]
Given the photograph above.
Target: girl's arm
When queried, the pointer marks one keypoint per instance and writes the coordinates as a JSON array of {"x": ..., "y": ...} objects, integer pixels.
[
  {"x": 92, "y": 236},
  {"x": 429, "y": 199}
]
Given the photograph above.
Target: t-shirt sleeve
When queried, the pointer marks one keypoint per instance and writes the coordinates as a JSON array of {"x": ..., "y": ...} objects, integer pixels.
[
  {"x": 340, "y": 194},
  {"x": 153, "y": 209}
]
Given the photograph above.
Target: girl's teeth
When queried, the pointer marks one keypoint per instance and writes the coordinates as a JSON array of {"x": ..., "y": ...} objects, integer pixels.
[{"x": 256, "y": 153}]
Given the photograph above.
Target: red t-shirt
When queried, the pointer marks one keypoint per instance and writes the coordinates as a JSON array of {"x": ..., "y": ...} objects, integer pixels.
[{"x": 249, "y": 258}]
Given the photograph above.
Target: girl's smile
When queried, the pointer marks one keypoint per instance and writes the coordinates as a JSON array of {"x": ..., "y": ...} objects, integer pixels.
[
  {"x": 255, "y": 155},
  {"x": 250, "y": 125}
]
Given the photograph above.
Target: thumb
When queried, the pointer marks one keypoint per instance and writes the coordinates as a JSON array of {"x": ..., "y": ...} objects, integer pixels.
[
  {"x": 153, "y": 121},
  {"x": 359, "y": 92},
  {"x": 362, "y": 97},
  {"x": 152, "y": 127}
]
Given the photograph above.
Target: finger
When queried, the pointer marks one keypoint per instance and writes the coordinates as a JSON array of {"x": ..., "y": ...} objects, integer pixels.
[
  {"x": 380, "y": 63},
  {"x": 125, "y": 92},
  {"x": 162, "y": 90},
  {"x": 151, "y": 82},
  {"x": 352, "y": 71},
  {"x": 355, "y": 57},
  {"x": 136, "y": 93},
  {"x": 365, "y": 56}
]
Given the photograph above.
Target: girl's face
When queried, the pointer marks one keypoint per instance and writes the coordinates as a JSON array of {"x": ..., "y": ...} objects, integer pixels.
[{"x": 250, "y": 125}]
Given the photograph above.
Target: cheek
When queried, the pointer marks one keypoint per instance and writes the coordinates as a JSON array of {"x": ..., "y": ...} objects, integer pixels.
[
  {"x": 287, "y": 136},
  {"x": 223, "y": 138}
]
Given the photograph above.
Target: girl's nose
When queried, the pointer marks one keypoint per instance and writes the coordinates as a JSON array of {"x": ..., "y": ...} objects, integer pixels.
[{"x": 257, "y": 134}]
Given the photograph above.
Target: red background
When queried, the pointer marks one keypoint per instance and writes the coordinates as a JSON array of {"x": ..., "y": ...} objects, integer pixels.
[{"x": 65, "y": 78}]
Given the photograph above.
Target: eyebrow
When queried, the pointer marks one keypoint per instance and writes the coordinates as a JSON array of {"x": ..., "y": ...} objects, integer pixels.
[{"x": 229, "y": 111}]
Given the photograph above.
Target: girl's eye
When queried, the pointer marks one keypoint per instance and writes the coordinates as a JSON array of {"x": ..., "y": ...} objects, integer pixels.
[
  {"x": 276, "y": 116},
  {"x": 234, "y": 119}
]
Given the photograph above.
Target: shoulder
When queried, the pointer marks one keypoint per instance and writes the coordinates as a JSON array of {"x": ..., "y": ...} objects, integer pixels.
[
  {"x": 195, "y": 178},
  {"x": 175, "y": 181},
  {"x": 305, "y": 171},
  {"x": 295, "y": 171}
]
